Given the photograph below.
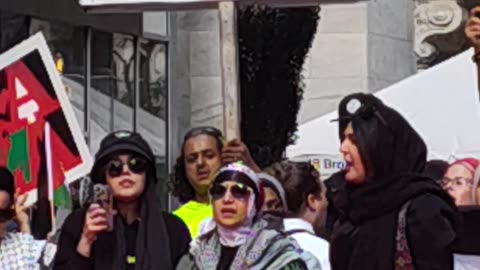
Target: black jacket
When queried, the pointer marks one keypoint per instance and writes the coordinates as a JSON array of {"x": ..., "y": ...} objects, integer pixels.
[
  {"x": 394, "y": 157},
  {"x": 430, "y": 235},
  {"x": 67, "y": 257}
]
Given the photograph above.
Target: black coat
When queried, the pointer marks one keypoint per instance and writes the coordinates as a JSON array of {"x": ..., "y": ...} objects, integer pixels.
[
  {"x": 430, "y": 234},
  {"x": 394, "y": 156},
  {"x": 67, "y": 257}
]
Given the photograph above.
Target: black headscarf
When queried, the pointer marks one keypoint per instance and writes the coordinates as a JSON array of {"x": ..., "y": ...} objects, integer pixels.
[
  {"x": 152, "y": 247},
  {"x": 394, "y": 156}
]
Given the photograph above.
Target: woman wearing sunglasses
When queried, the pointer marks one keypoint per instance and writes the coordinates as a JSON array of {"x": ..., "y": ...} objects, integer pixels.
[
  {"x": 392, "y": 217},
  {"x": 236, "y": 238},
  {"x": 140, "y": 236}
]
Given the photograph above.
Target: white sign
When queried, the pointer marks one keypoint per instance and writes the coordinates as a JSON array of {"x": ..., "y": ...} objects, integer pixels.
[{"x": 325, "y": 164}]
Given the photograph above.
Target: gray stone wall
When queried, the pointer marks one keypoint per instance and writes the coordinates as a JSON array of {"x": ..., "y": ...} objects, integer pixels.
[
  {"x": 337, "y": 62},
  {"x": 391, "y": 55},
  {"x": 180, "y": 86},
  {"x": 200, "y": 33},
  {"x": 364, "y": 46},
  {"x": 359, "y": 47}
]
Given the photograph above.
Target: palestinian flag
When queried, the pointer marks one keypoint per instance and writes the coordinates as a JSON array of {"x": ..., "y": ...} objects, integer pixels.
[{"x": 34, "y": 134}]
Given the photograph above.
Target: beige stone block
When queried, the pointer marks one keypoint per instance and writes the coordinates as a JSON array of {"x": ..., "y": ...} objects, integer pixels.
[
  {"x": 328, "y": 87},
  {"x": 206, "y": 92},
  {"x": 315, "y": 108},
  {"x": 339, "y": 55},
  {"x": 322, "y": 95},
  {"x": 343, "y": 18},
  {"x": 390, "y": 59},
  {"x": 391, "y": 18},
  {"x": 181, "y": 59},
  {"x": 198, "y": 20},
  {"x": 205, "y": 53},
  {"x": 376, "y": 84},
  {"x": 211, "y": 116}
]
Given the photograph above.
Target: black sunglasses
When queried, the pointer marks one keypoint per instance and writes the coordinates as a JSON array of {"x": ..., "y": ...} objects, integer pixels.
[
  {"x": 238, "y": 191},
  {"x": 6, "y": 215},
  {"x": 136, "y": 165}
]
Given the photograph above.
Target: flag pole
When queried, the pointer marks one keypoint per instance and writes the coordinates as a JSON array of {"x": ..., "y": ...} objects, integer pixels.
[{"x": 48, "y": 153}]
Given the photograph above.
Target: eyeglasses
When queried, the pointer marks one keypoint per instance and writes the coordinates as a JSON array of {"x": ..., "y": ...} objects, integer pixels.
[
  {"x": 6, "y": 215},
  {"x": 457, "y": 181},
  {"x": 238, "y": 191},
  {"x": 136, "y": 165}
]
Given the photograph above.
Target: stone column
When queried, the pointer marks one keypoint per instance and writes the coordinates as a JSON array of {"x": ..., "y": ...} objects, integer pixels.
[{"x": 201, "y": 42}]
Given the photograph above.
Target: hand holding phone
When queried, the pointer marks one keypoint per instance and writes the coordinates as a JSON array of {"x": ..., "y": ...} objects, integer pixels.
[{"x": 102, "y": 196}]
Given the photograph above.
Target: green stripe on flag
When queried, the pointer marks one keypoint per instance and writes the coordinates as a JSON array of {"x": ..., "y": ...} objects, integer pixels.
[
  {"x": 18, "y": 157},
  {"x": 61, "y": 198}
]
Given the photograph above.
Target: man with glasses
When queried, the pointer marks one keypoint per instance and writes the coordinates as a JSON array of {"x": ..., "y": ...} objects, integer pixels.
[
  {"x": 136, "y": 234},
  {"x": 458, "y": 180}
]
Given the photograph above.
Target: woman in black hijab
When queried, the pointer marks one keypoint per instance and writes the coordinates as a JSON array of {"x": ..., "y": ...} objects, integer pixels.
[
  {"x": 391, "y": 216},
  {"x": 140, "y": 236}
]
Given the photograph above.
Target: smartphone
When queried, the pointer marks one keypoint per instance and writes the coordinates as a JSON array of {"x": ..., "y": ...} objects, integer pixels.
[{"x": 102, "y": 195}]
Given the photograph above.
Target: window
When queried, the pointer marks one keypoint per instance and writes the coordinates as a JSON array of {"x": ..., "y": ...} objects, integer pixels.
[
  {"x": 67, "y": 44},
  {"x": 152, "y": 123},
  {"x": 112, "y": 83},
  {"x": 153, "y": 77}
]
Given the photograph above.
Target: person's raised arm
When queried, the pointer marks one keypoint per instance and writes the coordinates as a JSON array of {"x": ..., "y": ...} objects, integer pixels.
[{"x": 472, "y": 32}]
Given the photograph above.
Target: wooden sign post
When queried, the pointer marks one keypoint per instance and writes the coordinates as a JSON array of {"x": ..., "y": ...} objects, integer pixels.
[
  {"x": 228, "y": 38},
  {"x": 230, "y": 69}
]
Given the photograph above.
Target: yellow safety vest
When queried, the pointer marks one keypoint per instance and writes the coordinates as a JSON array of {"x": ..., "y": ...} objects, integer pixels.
[{"x": 193, "y": 213}]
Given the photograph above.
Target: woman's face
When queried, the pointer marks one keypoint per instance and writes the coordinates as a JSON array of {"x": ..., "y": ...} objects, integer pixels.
[
  {"x": 355, "y": 169},
  {"x": 125, "y": 174},
  {"x": 272, "y": 203},
  {"x": 458, "y": 183},
  {"x": 230, "y": 203},
  {"x": 202, "y": 162}
]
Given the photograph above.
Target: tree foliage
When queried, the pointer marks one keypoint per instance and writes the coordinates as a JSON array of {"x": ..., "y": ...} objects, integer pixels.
[{"x": 273, "y": 46}]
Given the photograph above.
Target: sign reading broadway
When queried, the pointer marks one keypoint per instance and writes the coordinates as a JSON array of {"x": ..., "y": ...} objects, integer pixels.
[{"x": 41, "y": 142}]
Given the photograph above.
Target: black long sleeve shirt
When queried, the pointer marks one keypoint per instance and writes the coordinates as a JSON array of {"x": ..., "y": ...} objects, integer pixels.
[{"x": 67, "y": 257}]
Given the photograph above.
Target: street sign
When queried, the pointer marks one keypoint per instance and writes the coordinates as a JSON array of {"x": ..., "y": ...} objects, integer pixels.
[{"x": 40, "y": 138}]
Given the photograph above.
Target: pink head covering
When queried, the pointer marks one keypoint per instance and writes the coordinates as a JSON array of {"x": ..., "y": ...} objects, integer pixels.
[{"x": 471, "y": 164}]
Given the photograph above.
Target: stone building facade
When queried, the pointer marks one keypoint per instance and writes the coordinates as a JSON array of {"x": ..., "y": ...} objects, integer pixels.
[{"x": 362, "y": 46}]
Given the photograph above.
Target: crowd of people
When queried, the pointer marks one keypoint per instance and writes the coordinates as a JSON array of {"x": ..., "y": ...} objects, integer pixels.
[{"x": 389, "y": 208}]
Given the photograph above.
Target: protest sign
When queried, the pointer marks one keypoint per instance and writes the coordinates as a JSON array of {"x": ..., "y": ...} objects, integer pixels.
[{"x": 41, "y": 142}]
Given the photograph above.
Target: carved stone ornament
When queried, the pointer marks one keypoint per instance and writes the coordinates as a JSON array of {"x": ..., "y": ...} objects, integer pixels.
[{"x": 438, "y": 30}]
